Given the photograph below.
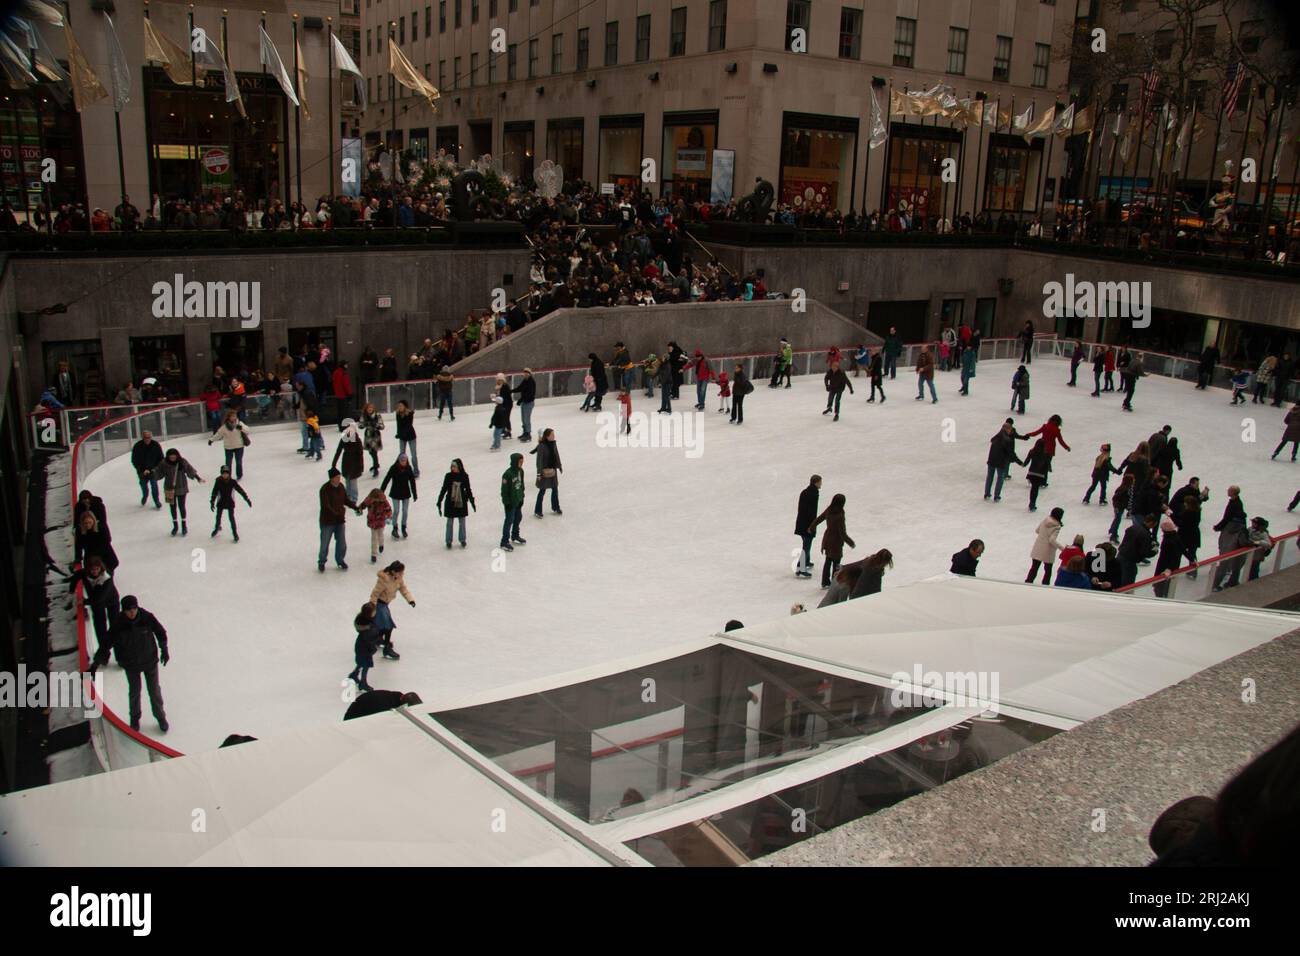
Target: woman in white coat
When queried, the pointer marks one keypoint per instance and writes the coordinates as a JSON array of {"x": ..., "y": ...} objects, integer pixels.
[
  {"x": 1045, "y": 546},
  {"x": 233, "y": 435}
]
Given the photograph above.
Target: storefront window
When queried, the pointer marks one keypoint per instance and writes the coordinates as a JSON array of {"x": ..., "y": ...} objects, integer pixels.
[
  {"x": 200, "y": 144},
  {"x": 34, "y": 129},
  {"x": 85, "y": 358},
  {"x": 817, "y": 160},
  {"x": 620, "y": 150},
  {"x": 687, "y": 164},
  {"x": 564, "y": 146},
  {"x": 418, "y": 144},
  {"x": 1012, "y": 173},
  {"x": 160, "y": 356},
  {"x": 915, "y": 184},
  {"x": 517, "y": 155},
  {"x": 237, "y": 351},
  {"x": 449, "y": 141}
]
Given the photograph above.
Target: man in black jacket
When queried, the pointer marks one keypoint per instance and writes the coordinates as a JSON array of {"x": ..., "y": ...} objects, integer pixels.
[
  {"x": 967, "y": 559},
  {"x": 836, "y": 381},
  {"x": 138, "y": 642},
  {"x": 1282, "y": 376},
  {"x": 1232, "y": 535},
  {"x": 1139, "y": 545},
  {"x": 1209, "y": 359},
  {"x": 146, "y": 456},
  {"x": 803, "y": 522},
  {"x": 527, "y": 389},
  {"x": 1002, "y": 452}
]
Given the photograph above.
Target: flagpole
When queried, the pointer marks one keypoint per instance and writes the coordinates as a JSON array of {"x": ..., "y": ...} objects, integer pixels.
[
  {"x": 1121, "y": 113},
  {"x": 40, "y": 140},
  {"x": 956, "y": 199},
  {"x": 1042, "y": 186},
  {"x": 194, "y": 85},
  {"x": 889, "y": 145},
  {"x": 266, "y": 165},
  {"x": 1272, "y": 179},
  {"x": 19, "y": 164},
  {"x": 1158, "y": 161},
  {"x": 1137, "y": 167},
  {"x": 1214, "y": 159},
  {"x": 1187, "y": 158},
  {"x": 297, "y": 110},
  {"x": 67, "y": 17},
  {"x": 153, "y": 153},
  {"x": 1263, "y": 152},
  {"x": 329, "y": 71},
  {"x": 1291, "y": 201},
  {"x": 1245, "y": 139},
  {"x": 392, "y": 88},
  {"x": 983, "y": 100}
]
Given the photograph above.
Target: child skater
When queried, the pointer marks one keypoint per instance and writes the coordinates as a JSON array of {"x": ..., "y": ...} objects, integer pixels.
[
  {"x": 1240, "y": 382},
  {"x": 1102, "y": 469},
  {"x": 317, "y": 446},
  {"x": 1019, "y": 389},
  {"x": 724, "y": 392},
  {"x": 223, "y": 499},
  {"x": 378, "y": 512},
  {"x": 877, "y": 373},
  {"x": 365, "y": 646},
  {"x": 625, "y": 410}
]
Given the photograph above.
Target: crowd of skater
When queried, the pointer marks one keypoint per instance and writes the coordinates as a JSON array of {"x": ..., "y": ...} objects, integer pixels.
[{"x": 1155, "y": 516}]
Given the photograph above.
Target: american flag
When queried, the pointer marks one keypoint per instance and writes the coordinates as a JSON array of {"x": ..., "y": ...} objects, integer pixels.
[
  {"x": 1232, "y": 88},
  {"x": 1150, "y": 83}
]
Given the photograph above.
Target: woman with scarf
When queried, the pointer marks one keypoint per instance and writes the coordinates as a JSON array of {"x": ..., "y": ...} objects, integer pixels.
[
  {"x": 233, "y": 435},
  {"x": 351, "y": 450},
  {"x": 456, "y": 498},
  {"x": 176, "y": 473},
  {"x": 402, "y": 477}
]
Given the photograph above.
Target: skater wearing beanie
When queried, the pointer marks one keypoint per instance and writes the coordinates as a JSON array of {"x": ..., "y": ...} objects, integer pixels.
[
  {"x": 405, "y": 490},
  {"x": 367, "y": 643},
  {"x": 378, "y": 511},
  {"x": 222, "y": 499},
  {"x": 351, "y": 449},
  {"x": 176, "y": 473}
]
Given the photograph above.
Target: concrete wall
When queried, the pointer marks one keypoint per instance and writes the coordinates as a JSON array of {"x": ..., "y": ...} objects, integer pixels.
[
  {"x": 112, "y": 299},
  {"x": 935, "y": 274},
  {"x": 565, "y": 337}
]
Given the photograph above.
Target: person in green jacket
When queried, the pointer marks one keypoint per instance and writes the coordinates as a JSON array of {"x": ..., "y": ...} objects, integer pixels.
[
  {"x": 512, "y": 498},
  {"x": 472, "y": 329},
  {"x": 967, "y": 369},
  {"x": 893, "y": 349},
  {"x": 787, "y": 361}
]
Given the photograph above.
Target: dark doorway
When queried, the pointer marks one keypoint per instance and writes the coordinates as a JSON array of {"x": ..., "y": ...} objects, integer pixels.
[{"x": 907, "y": 316}]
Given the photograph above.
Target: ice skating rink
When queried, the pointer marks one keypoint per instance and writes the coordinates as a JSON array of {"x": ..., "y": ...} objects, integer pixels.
[{"x": 655, "y": 545}]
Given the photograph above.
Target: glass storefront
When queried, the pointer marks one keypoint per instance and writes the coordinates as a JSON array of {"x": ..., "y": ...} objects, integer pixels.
[
  {"x": 85, "y": 358},
  {"x": 1011, "y": 177},
  {"x": 418, "y": 144},
  {"x": 818, "y": 156},
  {"x": 448, "y": 140},
  {"x": 564, "y": 145},
  {"x": 686, "y": 167},
  {"x": 916, "y": 155},
  {"x": 32, "y": 128},
  {"x": 517, "y": 154},
  {"x": 620, "y": 150},
  {"x": 199, "y": 144},
  {"x": 237, "y": 351}
]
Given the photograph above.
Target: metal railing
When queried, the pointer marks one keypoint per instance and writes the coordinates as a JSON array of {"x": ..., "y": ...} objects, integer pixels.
[
  {"x": 116, "y": 744},
  {"x": 1198, "y": 581},
  {"x": 421, "y": 394}
]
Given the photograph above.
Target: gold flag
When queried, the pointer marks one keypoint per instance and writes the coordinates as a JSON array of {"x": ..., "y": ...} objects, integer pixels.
[
  {"x": 175, "y": 60},
  {"x": 86, "y": 87},
  {"x": 1042, "y": 125},
  {"x": 409, "y": 77},
  {"x": 898, "y": 103},
  {"x": 302, "y": 82}
]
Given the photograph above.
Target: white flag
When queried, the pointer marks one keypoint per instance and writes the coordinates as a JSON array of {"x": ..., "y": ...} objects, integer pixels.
[
  {"x": 1023, "y": 120},
  {"x": 343, "y": 60},
  {"x": 270, "y": 58},
  {"x": 211, "y": 58},
  {"x": 991, "y": 113},
  {"x": 878, "y": 132},
  {"x": 1184, "y": 135},
  {"x": 119, "y": 72},
  {"x": 1065, "y": 120}
]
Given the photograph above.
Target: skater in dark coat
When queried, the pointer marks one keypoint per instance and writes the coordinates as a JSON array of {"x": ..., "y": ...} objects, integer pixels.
[
  {"x": 740, "y": 387},
  {"x": 597, "y": 373},
  {"x": 352, "y": 450},
  {"x": 1233, "y": 534},
  {"x": 665, "y": 377},
  {"x": 1002, "y": 452},
  {"x": 367, "y": 642},
  {"x": 86, "y": 502},
  {"x": 1139, "y": 545},
  {"x": 873, "y": 573},
  {"x": 1102, "y": 468},
  {"x": 1168, "y": 458},
  {"x": 1098, "y": 366},
  {"x": 405, "y": 490},
  {"x": 1019, "y": 390},
  {"x": 1039, "y": 462},
  {"x": 93, "y": 538},
  {"x": 877, "y": 377},
  {"x": 548, "y": 472},
  {"x": 1173, "y": 548},
  {"x": 138, "y": 642},
  {"x": 1292, "y": 433},
  {"x": 98, "y": 592},
  {"x": 803, "y": 522},
  {"x": 146, "y": 456},
  {"x": 176, "y": 474},
  {"x": 836, "y": 381},
  {"x": 503, "y": 402},
  {"x": 1136, "y": 370},
  {"x": 222, "y": 500},
  {"x": 1209, "y": 359},
  {"x": 406, "y": 438},
  {"x": 456, "y": 498},
  {"x": 834, "y": 538},
  {"x": 967, "y": 560}
]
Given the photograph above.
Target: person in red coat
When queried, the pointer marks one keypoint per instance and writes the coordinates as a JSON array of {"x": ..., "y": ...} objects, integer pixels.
[
  {"x": 1110, "y": 370},
  {"x": 342, "y": 388},
  {"x": 1051, "y": 432}
]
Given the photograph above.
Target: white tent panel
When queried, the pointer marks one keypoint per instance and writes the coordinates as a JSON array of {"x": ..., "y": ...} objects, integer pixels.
[
  {"x": 371, "y": 792},
  {"x": 1058, "y": 651}
]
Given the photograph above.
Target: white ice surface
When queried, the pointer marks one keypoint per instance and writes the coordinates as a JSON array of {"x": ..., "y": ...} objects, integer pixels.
[{"x": 653, "y": 548}]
